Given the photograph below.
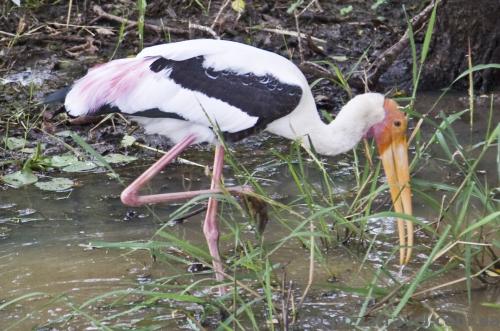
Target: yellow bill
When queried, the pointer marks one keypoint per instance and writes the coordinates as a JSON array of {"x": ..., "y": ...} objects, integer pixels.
[{"x": 393, "y": 150}]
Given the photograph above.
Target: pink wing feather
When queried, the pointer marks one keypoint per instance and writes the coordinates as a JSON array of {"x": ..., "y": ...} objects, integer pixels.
[{"x": 106, "y": 83}]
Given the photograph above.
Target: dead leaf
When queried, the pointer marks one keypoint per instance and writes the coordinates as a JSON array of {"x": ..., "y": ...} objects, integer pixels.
[{"x": 105, "y": 32}]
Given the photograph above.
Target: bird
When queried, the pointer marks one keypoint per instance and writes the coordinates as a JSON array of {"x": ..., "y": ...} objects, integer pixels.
[{"x": 210, "y": 91}]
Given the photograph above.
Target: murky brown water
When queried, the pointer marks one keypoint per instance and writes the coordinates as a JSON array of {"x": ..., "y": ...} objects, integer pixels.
[{"x": 45, "y": 249}]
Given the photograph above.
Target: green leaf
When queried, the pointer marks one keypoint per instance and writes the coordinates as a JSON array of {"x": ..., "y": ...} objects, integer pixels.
[
  {"x": 80, "y": 166},
  {"x": 238, "y": 6},
  {"x": 127, "y": 141},
  {"x": 59, "y": 161},
  {"x": 55, "y": 184},
  {"x": 20, "y": 178},
  {"x": 346, "y": 10},
  {"x": 119, "y": 158},
  {"x": 428, "y": 36},
  {"x": 14, "y": 143},
  {"x": 476, "y": 68}
]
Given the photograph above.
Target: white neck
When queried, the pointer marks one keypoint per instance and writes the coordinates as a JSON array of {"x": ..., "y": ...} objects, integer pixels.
[{"x": 342, "y": 134}]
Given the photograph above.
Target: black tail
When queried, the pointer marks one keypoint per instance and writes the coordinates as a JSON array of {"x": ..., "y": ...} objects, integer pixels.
[{"x": 57, "y": 96}]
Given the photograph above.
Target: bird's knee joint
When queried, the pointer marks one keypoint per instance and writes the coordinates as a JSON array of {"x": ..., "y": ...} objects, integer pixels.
[
  {"x": 130, "y": 198},
  {"x": 211, "y": 234}
]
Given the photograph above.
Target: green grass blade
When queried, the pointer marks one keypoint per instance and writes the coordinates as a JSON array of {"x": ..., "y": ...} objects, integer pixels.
[
  {"x": 475, "y": 68},
  {"x": 428, "y": 35},
  {"x": 492, "y": 218},
  {"x": 20, "y": 298},
  {"x": 87, "y": 148},
  {"x": 141, "y": 7}
]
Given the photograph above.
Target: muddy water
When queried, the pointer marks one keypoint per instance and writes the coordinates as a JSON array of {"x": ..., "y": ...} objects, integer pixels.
[{"x": 45, "y": 248}]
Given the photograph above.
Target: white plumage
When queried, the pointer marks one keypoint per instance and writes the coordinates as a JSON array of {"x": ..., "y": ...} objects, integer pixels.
[
  {"x": 131, "y": 86},
  {"x": 224, "y": 54}
]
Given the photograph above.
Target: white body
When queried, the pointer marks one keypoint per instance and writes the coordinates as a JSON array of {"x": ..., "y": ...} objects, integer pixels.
[{"x": 130, "y": 85}]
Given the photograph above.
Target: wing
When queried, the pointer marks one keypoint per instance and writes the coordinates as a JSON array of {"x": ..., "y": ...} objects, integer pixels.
[{"x": 200, "y": 88}]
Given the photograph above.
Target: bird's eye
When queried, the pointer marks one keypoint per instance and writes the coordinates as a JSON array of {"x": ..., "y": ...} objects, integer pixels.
[{"x": 397, "y": 123}]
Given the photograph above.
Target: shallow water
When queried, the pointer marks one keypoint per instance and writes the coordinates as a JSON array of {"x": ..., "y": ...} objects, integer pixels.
[{"x": 45, "y": 248}]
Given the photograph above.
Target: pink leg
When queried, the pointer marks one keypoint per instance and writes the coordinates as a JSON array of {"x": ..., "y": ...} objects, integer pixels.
[
  {"x": 130, "y": 196},
  {"x": 211, "y": 226}
]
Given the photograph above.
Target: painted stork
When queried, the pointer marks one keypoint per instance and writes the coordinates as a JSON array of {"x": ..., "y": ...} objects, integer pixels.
[{"x": 183, "y": 90}]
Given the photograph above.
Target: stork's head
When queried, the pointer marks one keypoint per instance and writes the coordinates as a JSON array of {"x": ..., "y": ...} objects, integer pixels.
[{"x": 389, "y": 133}]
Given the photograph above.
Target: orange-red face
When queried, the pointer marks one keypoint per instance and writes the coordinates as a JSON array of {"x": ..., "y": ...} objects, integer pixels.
[
  {"x": 392, "y": 128},
  {"x": 390, "y": 136}
]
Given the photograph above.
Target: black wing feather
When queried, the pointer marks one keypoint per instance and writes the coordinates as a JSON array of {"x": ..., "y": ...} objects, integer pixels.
[
  {"x": 57, "y": 96},
  {"x": 265, "y": 97}
]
